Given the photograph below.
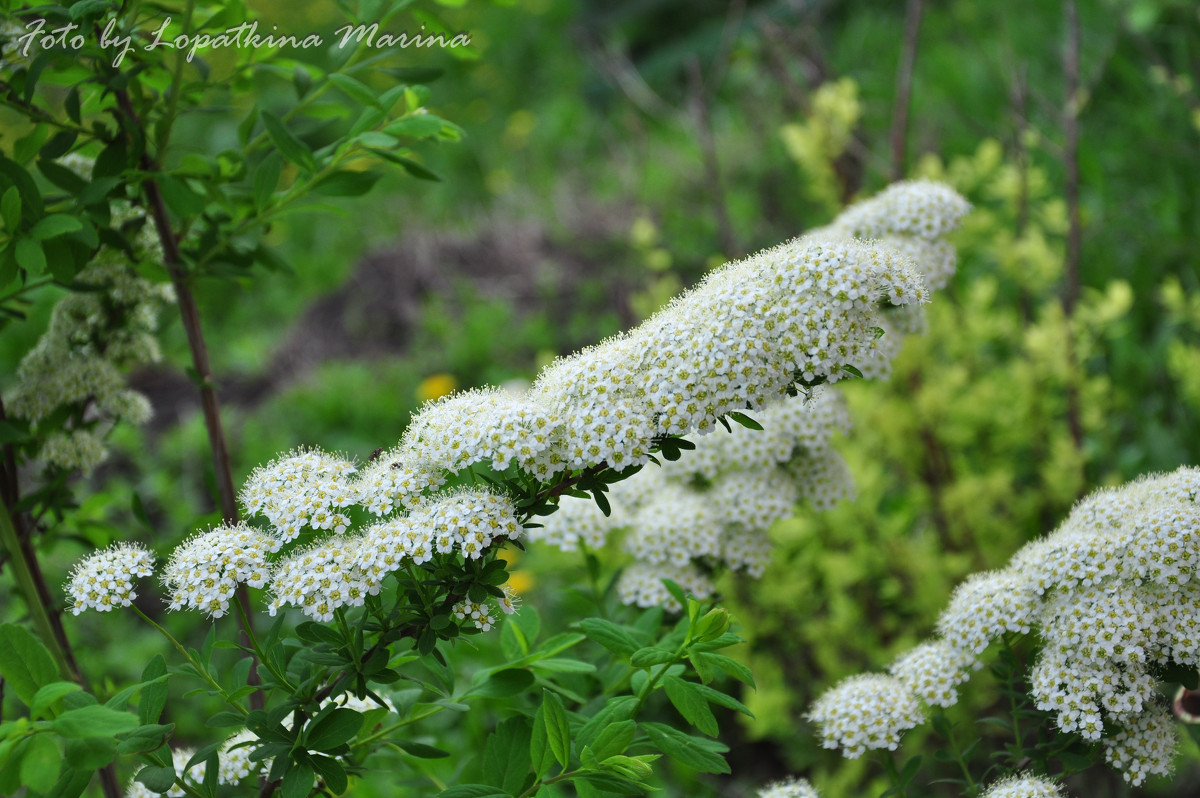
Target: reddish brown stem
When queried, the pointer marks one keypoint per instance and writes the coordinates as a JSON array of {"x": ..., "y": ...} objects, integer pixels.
[
  {"x": 904, "y": 75},
  {"x": 1070, "y": 296}
]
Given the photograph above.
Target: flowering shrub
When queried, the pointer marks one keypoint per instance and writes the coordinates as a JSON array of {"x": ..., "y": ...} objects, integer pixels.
[{"x": 1101, "y": 613}]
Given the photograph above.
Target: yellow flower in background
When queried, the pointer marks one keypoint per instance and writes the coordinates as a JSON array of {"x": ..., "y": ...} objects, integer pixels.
[
  {"x": 436, "y": 385},
  {"x": 520, "y": 581}
]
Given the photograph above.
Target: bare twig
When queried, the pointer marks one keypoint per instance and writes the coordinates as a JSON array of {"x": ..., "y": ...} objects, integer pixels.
[
  {"x": 1070, "y": 295},
  {"x": 904, "y": 74},
  {"x": 712, "y": 171}
]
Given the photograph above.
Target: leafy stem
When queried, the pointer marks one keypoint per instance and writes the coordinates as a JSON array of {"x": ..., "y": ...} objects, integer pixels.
[{"x": 200, "y": 671}]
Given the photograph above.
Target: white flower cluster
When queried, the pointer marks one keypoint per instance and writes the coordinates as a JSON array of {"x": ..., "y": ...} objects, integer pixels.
[
  {"x": 715, "y": 504},
  {"x": 1112, "y": 596},
  {"x": 932, "y": 671},
  {"x": 911, "y": 218},
  {"x": 306, "y": 488},
  {"x": 789, "y": 788},
  {"x": 1024, "y": 786},
  {"x": 867, "y": 711},
  {"x": 105, "y": 579},
  {"x": 94, "y": 337},
  {"x": 642, "y": 585},
  {"x": 320, "y": 578},
  {"x": 203, "y": 573}
]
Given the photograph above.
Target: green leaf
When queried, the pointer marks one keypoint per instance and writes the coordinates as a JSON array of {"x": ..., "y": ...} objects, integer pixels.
[
  {"x": 473, "y": 791},
  {"x": 745, "y": 420},
  {"x": 852, "y": 370},
  {"x": 612, "y": 783},
  {"x": 298, "y": 782},
  {"x": 616, "y": 710},
  {"x": 504, "y": 683},
  {"x": 10, "y": 209},
  {"x": 731, "y": 666},
  {"x": 25, "y": 663},
  {"x": 332, "y": 773},
  {"x": 95, "y": 752},
  {"x": 721, "y": 699},
  {"x": 691, "y": 703},
  {"x": 506, "y": 755},
  {"x": 180, "y": 198},
  {"x": 422, "y": 750},
  {"x": 558, "y": 729},
  {"x": 696, "y": 752},
  {"x": 356, "y": 89},
  {"x": 650, "y": 656},
  {"x": 416, "y": 126},
  {"x": 609, "y": 635},
  {"x": 30, "y": 256},
  {"x": 540, "y": 755},
  {"x": 40, "y": 765},
  {"x": 287, "y": 143},
  {"x": 336, "y": 728},
  {"x": 71, "y": 783},
  {"x": 615, "y": 738},
  {"x": 266, "y": 178},
  {"x": 48, "y": 694},
  {"x": 562, "y": 665},
  {"x": 154, "y": 693},
  {"x": 94, "y": 721},
  {"x": 347, "y": 183},
  {"x": 157, "y": 779}
]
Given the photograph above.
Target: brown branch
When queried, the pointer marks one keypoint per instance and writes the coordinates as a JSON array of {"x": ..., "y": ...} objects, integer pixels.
[
  {"x": 189, "y": 313},
  {"x": 904, "y": 74},
  {"x": 1070, "y": 296},
  {"x": 712, "y": 171}
]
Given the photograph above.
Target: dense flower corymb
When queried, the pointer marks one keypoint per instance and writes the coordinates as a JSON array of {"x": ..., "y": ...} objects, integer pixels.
[
  {"x": 863, "y": 712},
  {"x": 788, "y": 788},
  {"x": 105, "y": 579},
  {"x": 1024, "y": 786},
  {"x": 204, "y": 572}
]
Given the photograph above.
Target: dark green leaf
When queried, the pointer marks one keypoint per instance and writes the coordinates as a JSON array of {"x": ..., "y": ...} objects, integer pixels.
[
  {"x": 180, "y": 198},
  {"x": 422, "y": 750},
  {"x": 731, "y": 666},
  {"x": 615, "y": 738},
  {"x": 696, "y": 752},
  {"x": 266, "y": 178},
  {"x": 71, "y": 783},
  {"x": 347, "y": 183},
  {"x": 505, "y": 683},
  {"x": 506, "y": 755},
  {"x": 30, "y": 256},
  {"x": 473, "y": 791},
  {"x": 96, "y": 752},
  {"x": 650, "y": 656},
  {"x": 355, "y": 89},
  {"x": 298, "y": 782},
  {"x": 332, "y": 773},
  {"x": 336, "y": 728},
  {"x": 287, "y": 143},
  {"x": 157, "y": 779},
  {"x": 691, "y": 703},
  {"x": 10, "y": 209},
  {"x": 558, "y": 729},
  {"x": 609, "y": 635},
  {"x": 745, "y": 420},
  {"x": 612, "y": 783}
]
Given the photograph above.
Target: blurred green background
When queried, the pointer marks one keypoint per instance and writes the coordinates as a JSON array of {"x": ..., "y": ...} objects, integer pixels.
[{"x": 617, "y": 150}]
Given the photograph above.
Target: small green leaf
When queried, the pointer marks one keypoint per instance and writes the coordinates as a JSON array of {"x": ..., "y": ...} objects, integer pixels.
[
  {"x": 332, "y": 773},
  {"x": 473, "y": 791},
  {"x": 94, "y": 721},
  {"x": 48, "y": 694},
  {"x": 615, "y": 738},
  {"x": 609, "y": 635},
  {"x": 154, "y": 693},
  {"x": 30, "y": 256},
  {"x": 852, "y": 370},
  {"x": 180, "y": 198},
  {"x": 157, "y": 779},
  {"x": 691, "y": 703},
  {"x": 422, "y": 750},
  {"x": 745, "y": 420},
  {"x": 266, "y": 178},
  {"x": 416, "y": 126},
  {"x": 298, "y": 782},
  {"x": 40, "y": 765},
  {"x": 336, "y": 728},
  {"x": 347, "y": 183},
  {"x": 10, "y": 209},
  {"x": 356, "y": 89},
  {"x": 558, "y": 729},
  {"x": 651, "y": 656},
  {"x": 696, "y": 752},
  {"x": 288, "y": 144}
]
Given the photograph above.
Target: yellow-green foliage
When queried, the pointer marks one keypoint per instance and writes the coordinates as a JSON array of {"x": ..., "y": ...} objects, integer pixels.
[
  {"x": 964, "y": 455},
  {"x": 819, "y": 140}
]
